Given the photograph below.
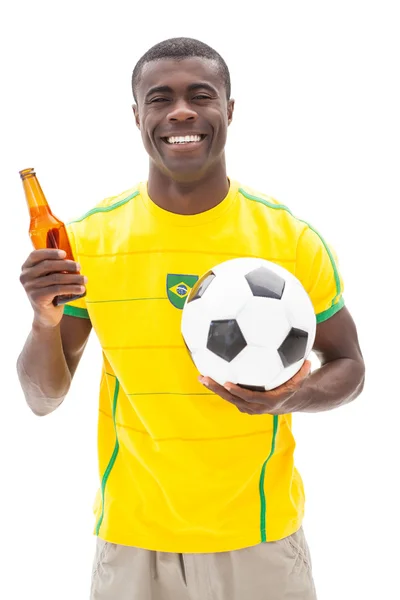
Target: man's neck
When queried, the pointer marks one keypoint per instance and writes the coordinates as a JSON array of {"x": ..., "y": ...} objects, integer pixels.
[{"x": 187, "y": 198}]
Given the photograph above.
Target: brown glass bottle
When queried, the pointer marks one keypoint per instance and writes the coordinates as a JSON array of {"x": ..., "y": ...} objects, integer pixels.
[{"x": 45, "y": 230}]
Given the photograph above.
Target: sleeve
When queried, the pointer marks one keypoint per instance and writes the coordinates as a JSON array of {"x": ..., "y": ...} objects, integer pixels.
[
  {"x": 77, "y": 308},
  {"x": 317, "y": 269}
]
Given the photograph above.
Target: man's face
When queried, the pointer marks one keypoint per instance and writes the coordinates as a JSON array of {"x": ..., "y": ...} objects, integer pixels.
[{"x": 183, "y": 115}]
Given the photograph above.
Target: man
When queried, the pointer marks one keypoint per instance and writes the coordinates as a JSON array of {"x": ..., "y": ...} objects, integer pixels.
[{"x": 199, "y": 497}]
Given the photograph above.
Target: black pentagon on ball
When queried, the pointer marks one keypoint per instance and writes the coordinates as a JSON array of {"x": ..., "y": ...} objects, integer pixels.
[
  {"x": 225, "y": 339},
  {"x": 200, "y": 286},
  {"x": 293, "y": 347},
  {"x": 264, "y": 282}
]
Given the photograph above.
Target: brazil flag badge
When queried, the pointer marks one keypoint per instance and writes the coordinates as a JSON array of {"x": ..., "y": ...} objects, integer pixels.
[{"x": 178, "y": 288}]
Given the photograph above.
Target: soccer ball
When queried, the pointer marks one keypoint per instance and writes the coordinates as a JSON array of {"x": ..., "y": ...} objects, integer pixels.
[{"x": 250, "y": 322}]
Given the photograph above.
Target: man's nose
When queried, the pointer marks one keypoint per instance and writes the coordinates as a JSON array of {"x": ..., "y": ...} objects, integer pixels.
[{"x": 182, "y": 111}]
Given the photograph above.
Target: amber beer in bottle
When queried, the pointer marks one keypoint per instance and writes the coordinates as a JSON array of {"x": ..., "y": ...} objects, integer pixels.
[{"x": 45, "y": 230}]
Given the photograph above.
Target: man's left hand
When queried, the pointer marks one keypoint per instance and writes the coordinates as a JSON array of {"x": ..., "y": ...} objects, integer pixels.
[{"x": 272, "y": 402}]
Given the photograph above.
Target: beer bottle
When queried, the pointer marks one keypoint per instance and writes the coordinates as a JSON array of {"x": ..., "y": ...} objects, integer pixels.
[{"x": 45, "y": 230}]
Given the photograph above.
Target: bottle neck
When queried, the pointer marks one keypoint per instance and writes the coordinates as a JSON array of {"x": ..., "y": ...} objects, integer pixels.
[
  {"x": 34, "y": 195},
  {"x": 33, "y": 192}
]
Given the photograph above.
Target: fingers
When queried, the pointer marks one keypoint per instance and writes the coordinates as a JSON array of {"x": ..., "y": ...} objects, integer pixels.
[
  {"x": 243, "y": 393},
  {"x": 41, "y": 296},
  {"x": 56, "y": 279},
  {"x": 47, "y": 274},
  {"x": 221, "y": 391},
  {"x": 49, "y": 263},
  {"x": 213, "y": 386},
  {"x": 49, "y": 266},
  {"x": 303, "y": 373},
  {"x": 259, "y": 402},
  {"x": 37, "y": 256},
  {"x": 281, "y": 392}
]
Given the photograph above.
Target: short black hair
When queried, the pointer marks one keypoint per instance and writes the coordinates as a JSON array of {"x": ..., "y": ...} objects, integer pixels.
[{"x": 179, "y": 49}]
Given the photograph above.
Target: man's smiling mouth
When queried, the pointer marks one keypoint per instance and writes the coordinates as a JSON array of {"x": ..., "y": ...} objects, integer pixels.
[{"x": 183, "y": 139}]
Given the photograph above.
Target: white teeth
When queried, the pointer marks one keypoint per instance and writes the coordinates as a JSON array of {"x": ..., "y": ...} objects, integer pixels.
[{"x": 184, "y": 139}]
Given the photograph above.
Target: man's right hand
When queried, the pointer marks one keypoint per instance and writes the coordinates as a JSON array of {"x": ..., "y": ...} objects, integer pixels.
[{"x": 47, "y": 274}]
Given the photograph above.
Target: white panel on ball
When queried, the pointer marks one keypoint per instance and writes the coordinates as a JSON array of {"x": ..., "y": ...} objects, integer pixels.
[
  {"x": 211, "y": 365},
  {"x": 195, "y": 325},
  {"x": 255, "y": 366},
  {"x": 264, "y": 321},
  {"x": 225, "y": 296}
]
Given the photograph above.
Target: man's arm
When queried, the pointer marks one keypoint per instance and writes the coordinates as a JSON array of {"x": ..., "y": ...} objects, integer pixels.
[
  {"x": 338, "y": 380},
  {"x": 55, "y": 344},
  {"x": 49, "y": 360}
]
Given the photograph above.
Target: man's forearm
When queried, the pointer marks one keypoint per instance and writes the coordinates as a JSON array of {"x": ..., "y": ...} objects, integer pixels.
[
  {"x": 334, "y": 384},
  {"x": 43, "y": 370}
]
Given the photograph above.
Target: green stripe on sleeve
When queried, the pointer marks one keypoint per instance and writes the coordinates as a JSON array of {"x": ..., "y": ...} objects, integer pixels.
[
  {"x": 335, "y": 305},
  {"x": 327, "y": 314},
  {"x": 333, "y": 263},
  {"x": 74, "y": 311}
]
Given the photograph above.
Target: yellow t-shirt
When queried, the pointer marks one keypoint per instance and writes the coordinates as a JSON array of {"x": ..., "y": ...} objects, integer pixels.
[{"x": 181, "y": 469}]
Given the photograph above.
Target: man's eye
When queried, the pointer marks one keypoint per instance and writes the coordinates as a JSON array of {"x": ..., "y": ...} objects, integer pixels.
[
  {"x": 158, "y": 100},
  {"x": 202, "y": 97}
]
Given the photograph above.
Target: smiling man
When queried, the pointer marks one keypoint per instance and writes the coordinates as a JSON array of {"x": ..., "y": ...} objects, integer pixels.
[{"x": 199, "y": 497}]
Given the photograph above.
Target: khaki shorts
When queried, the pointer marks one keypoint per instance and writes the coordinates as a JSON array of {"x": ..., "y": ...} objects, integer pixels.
[{"x": 269, "y": 571}]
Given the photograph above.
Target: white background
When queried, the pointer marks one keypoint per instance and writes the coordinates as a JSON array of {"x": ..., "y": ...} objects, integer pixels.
[{"x": 317, "y": 126}]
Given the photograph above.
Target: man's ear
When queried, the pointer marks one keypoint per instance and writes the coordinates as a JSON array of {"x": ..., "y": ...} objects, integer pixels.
[
  {"x": 231, "y": 106},
  {"x": 136, "y": 113}
]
